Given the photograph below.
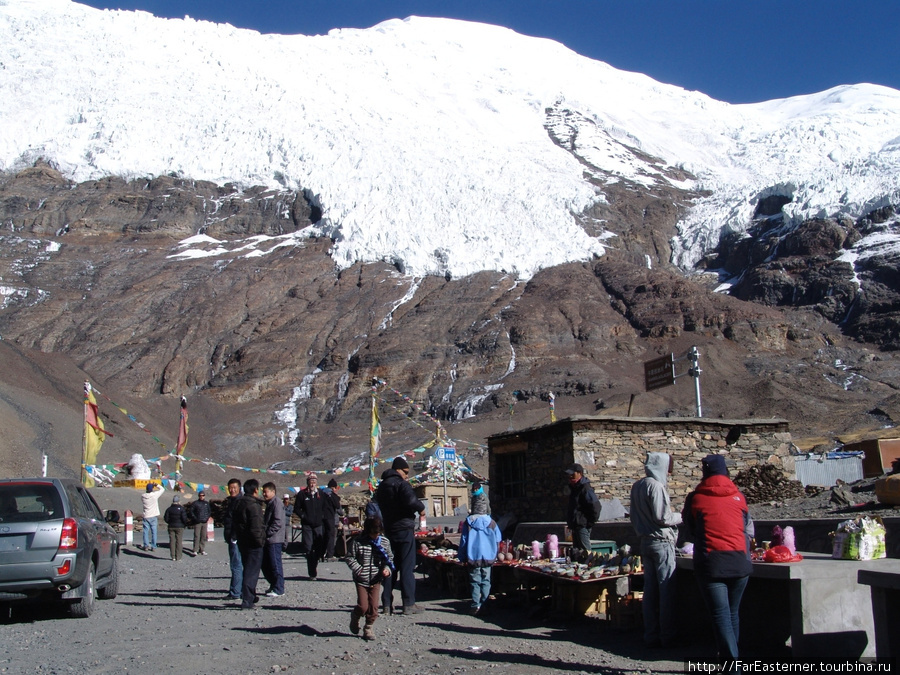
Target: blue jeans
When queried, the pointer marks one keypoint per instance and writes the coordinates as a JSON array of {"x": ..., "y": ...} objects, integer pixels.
[
  {"x": 149, "y": 532},
  {"x": 480, "y": 580},
  {"x": 581, "y": 538},
  {"x": 272, "y": 569},
  {"x": 723, "y": 600},
  {"x": 658, "y": 557},
  {"x": 237, "y": 570}
]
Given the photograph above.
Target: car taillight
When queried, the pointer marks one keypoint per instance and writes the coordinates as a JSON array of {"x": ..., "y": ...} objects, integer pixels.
[
  {"x": 66, "y": 567},
  {"x": 68, "y": 539}
]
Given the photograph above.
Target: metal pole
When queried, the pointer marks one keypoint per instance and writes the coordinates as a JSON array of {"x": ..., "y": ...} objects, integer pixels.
[
  {"x": 445, "y": 482},
  {"x": 695, "y": 373}
]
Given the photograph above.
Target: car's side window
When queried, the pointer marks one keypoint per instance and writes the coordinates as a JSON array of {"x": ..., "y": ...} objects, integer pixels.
[
  {"x": 95, "y": 511},
  {"x": 77, "y": 502}
]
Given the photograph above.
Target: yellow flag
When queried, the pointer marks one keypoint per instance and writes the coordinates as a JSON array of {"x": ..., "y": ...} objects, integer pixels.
[{"x": 94, "y": 432}]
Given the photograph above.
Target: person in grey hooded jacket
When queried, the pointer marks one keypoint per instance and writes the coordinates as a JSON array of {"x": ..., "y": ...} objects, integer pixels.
[{"x": 657, "y": 525}]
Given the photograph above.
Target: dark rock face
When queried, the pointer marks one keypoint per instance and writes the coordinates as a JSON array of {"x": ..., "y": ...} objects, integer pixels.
[{"x": 285, "y": 346}]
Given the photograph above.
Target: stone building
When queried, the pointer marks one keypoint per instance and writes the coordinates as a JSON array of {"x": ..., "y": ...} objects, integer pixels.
[{"x": 527, "y": 466}]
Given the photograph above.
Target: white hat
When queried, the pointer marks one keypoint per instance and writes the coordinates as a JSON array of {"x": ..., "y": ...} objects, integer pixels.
[{"x": 286, "y": 497}]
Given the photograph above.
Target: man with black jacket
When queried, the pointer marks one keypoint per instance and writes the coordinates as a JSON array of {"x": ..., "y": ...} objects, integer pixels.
[
  {"x": 250, "y": 533},
  {"x": 234, "y": 553},
  {"x": 310, "y": 505},
  {"x": 584, "y": 508},
  {"x": 199, "y": 515},
  {"x": 399, "y": 508}
]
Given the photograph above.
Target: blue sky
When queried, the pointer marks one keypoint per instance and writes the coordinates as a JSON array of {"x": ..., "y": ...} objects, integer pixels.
[{"x": 733, "y": 50}]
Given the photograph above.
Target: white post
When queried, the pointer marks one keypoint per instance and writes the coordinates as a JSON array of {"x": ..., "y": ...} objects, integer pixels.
[
  {"x": 129, "y": 528},
  {"x": 210, "y": 530},
  {"x": 44, "y": 465}
]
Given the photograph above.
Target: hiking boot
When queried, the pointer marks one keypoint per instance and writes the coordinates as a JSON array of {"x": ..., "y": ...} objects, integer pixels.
[
  {"x": 354, "y": 623},
  {"x": 368, "y": 632},
  {"x": 412, "y": 609}
]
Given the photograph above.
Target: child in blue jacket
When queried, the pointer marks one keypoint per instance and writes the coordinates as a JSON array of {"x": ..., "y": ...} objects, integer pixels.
[{"x": 478, "y": 544}]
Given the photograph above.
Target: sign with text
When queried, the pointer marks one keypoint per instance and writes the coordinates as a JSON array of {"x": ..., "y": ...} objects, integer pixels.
[
  {"x": 659, "y": 372},
  {"x": 445, "y": 454}
]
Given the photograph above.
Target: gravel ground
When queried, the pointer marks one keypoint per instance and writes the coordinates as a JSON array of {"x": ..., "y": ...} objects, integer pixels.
[{"x": 173, "y": 617}]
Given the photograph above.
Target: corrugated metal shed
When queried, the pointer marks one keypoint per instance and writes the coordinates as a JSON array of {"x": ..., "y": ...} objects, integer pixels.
[{"x": 826, "y": 469}]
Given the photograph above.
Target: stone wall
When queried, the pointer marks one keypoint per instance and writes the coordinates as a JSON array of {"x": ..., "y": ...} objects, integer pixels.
[{"x": 612, "y": 451}]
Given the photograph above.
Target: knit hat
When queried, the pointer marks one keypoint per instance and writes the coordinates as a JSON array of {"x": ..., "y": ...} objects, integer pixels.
[
  {"x": 400, "y": 463},
  {"x": 714, "y": 465},
  {"x": 332, "y": 483},
  {"x": 479, "y": 504},
  {"x": 150, "y": 487},
  {"x": 575, "y": 468}
]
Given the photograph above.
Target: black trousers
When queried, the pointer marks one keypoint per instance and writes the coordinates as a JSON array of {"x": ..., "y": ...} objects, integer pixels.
[
  {"x": 403, "y": 546},
  {"x": 313, "y": 547},
  {"x": 251, "y": 558}
]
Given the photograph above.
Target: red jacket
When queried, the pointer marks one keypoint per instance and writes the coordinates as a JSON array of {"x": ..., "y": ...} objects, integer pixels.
[{"x": 719, "y": 524}]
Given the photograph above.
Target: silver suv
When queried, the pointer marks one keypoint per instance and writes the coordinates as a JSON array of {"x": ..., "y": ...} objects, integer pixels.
[{"x": 55, "y": 545}]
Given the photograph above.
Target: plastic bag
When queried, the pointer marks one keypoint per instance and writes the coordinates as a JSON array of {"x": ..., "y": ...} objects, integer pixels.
[{"x": 781, "y": 554}]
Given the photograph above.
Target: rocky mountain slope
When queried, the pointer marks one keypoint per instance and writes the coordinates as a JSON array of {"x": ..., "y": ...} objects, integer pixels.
[{"x": 277, "y": 360}]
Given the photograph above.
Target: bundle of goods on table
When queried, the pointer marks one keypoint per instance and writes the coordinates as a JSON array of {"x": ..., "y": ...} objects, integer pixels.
[{"x": 580, "y": 566}]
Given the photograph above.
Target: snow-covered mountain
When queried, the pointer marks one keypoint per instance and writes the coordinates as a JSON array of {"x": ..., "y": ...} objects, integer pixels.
[{"x": 426, "y": 142}]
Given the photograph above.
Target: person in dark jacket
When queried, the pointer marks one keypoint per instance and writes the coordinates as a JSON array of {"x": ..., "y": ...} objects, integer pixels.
[
  {"x": 199, "y": 515},
  {"x": 310, "y": 506},
  {"x": 718, "y": 521},
  {"x": 399, "y": 506},
  {"x": 333, "y": 512},
  {"x": 584, "y": 508},
  {"x": 479, "y": 541},
  {"x": 250, "y": 533},
  {"x": 234, "y": 553},
  {"x": 288, "y": 512},
  {"x": 273, "y": 518},
  {"x": 176, "y": 518}
]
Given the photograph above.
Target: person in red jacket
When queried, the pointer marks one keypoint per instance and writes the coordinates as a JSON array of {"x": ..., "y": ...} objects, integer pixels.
[{"x": 718, "y": 521}]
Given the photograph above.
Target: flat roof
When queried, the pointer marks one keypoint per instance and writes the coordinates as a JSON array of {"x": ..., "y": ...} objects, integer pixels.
[{"x": 671, "y": 421}]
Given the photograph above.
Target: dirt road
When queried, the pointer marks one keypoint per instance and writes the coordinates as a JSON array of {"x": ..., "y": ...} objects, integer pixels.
[{"x": 173, "y": 617}]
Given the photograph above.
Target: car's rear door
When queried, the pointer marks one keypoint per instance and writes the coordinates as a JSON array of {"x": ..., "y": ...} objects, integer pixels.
[{"x": 31, "y": 518}]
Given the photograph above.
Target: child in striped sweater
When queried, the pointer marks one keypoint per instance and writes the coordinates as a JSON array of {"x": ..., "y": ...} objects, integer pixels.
[{"x": 370, "y": 561}]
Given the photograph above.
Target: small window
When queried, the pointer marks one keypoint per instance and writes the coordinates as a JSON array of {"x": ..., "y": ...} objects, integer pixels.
[{"x": 511, "y": 474}]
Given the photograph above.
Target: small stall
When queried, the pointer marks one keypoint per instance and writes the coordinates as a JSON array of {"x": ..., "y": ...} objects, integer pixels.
[{"x": 592, "y": 587}]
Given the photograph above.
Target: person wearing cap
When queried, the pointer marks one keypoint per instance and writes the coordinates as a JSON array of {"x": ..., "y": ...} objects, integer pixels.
[
  {"x": 584, "y": 508},
  {"x": 176, "y": 518},
  {"x": 717, "y": 520},
  {"x": 479, "y": 542},
  {"x": 150, "y": 511},
  {"x": 657, "y": 526},
  {"x": 400, "y": 508},
  {"x": 310, "y": 506},
  {"x": 199, "y": 515},
  {"x": 333, "y": 513}
]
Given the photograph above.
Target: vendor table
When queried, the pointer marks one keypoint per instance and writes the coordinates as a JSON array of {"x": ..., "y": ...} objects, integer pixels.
[
  {"x": 885, "y": 591},
  {"x": 816, "y": 603},
  {"x": 569, "y": 597}
]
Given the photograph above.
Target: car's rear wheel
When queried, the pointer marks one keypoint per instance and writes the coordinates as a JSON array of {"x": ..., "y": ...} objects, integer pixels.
[
  {"x": 83, "y": 607},
  {"x": 111, "y": 589}
]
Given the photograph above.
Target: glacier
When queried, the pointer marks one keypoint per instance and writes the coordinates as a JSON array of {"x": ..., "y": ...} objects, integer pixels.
[{"x": 424, "y": 140}]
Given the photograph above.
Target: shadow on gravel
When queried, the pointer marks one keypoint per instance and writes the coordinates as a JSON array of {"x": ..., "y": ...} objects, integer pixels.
[
  {"x": 303, "y": 629},
  {"x": 532, "y": 660}
]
